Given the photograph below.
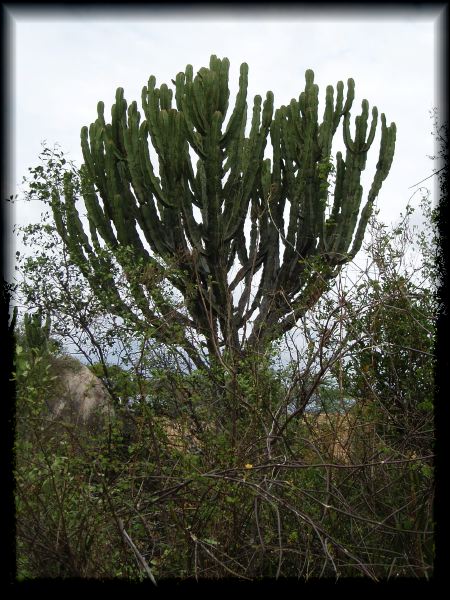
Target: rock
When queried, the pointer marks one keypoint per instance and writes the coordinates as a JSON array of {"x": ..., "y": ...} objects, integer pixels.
[{"x": 80, "y": 397}]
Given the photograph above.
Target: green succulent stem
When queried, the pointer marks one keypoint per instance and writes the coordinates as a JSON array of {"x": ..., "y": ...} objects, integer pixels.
[{"x": 221, "y": 217}]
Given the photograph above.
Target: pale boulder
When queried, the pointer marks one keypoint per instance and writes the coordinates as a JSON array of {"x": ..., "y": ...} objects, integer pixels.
[{"x": 81, "y": 398}]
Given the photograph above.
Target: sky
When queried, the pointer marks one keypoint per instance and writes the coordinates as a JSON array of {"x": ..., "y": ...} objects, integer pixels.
[{"x": 63, "y": 62}]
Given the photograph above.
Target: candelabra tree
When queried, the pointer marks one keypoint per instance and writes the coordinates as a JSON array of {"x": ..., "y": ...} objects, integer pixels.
[{"x": 217, "y": 232}]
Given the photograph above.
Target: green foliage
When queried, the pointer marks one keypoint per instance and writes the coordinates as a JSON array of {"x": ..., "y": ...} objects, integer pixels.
[
  {"x": 210, "y": 474},
  {"x": 199, "y": 501},
  {"x": 396, "y": 368},
  {"x": 60, "y": 476}
]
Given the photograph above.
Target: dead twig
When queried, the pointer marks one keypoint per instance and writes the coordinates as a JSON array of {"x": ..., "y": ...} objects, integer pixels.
[{"x": 141, "y": 560}]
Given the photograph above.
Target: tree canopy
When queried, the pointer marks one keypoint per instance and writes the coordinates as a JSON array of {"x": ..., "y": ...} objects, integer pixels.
[{"x": 249, "y": 243}]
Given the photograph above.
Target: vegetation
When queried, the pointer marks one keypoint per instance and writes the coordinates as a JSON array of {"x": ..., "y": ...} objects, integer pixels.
[{"x": 235, "y": 451}]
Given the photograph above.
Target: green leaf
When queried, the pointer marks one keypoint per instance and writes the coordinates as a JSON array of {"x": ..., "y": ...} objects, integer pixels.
[{"x": 211, "y": 541}]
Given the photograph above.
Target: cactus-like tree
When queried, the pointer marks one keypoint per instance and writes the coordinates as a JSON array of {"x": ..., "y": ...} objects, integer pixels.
[{"x": 253, "y": 239}]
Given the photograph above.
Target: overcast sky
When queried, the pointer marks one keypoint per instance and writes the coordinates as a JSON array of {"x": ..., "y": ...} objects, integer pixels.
[{"x": 63, "y": 63}]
